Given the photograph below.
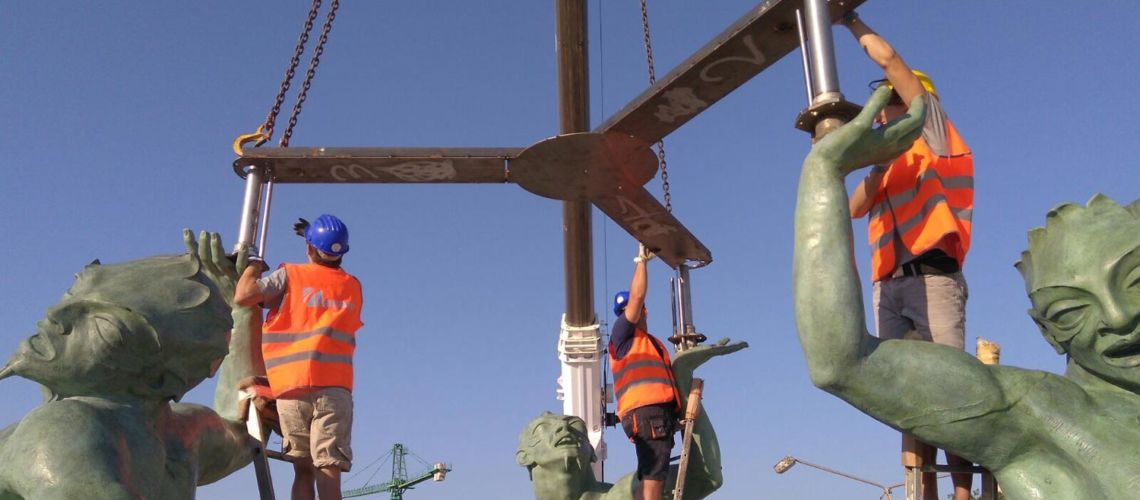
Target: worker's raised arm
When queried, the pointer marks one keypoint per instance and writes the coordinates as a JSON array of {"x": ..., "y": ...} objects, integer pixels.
[
  {"x": 863, "y": 197},
  {"x": 905, "y": 83},
  {"x": 924, "y": 388},
  {"x": 638, "y": 285},
  {"x": 247, "y": 293}
]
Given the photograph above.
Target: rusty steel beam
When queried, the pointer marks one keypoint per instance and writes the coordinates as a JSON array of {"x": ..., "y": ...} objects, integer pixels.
[
  {"x": 750, "y": 45},
  {"x": 380, "y": 165},
  {"x": 574, "y": 116}
]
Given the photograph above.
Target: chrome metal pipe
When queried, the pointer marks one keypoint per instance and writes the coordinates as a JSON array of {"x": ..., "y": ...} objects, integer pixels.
[
  {"x": 684, "y": 307},
  {"x": 804, "y": 56},
  {"x": 250, "y": 207},
  {"x": 824, "y": 76},
  {"x": 261, "y": 239}
]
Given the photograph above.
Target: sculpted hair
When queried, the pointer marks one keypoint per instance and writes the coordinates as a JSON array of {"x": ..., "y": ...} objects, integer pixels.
[
  {"x": 187, "y": 321},
  {"x": 1060, "y": 220}
]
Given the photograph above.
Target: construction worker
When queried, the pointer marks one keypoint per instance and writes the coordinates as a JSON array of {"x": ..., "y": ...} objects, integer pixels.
[
  {"x": 308, "y": 341},
  {"x": 919, "y": 208},
  {"x": 647, "y": 400}
]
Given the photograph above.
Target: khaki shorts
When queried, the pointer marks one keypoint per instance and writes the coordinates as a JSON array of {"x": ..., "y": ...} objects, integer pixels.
[
  {"x": 930, "y": 307},
  {"x": 318, "y": 425}
]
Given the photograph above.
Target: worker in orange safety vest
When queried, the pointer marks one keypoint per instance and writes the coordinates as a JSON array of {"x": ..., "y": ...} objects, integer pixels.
[
  {"x": 920, "y": 207},
  {"x": 307, "y": 342},
  {"x": 647, "y": 400}
]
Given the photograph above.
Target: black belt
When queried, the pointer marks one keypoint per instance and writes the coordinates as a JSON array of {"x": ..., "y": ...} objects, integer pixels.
[{"x": 934, "y": 262}]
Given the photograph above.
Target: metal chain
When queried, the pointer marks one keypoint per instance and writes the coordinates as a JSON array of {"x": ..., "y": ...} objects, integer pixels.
[
  {"x": 652, "y": 80},
  {"x": 313, "y": 62},
  {"x": 291, "y": 71}
]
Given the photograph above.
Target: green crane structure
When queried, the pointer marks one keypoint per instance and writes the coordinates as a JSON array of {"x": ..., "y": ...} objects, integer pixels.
[{"x": 400, "y": 481}]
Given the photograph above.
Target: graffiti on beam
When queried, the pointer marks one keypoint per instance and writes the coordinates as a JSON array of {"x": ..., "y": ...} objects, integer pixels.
[
  {"x": 757, "y": 58},
  {"x": 682, "y": 102},
  {"x": 640, "y": 222},
  {"x": 423, "y": 171},
  {"x": 412, "y": 171}
]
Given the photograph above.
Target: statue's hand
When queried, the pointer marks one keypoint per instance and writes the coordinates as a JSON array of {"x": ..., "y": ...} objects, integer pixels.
[
  {"x": 215, "y": 263},
  {"x": 688, "y": 360},
  {"x": 858, "y": 144}
]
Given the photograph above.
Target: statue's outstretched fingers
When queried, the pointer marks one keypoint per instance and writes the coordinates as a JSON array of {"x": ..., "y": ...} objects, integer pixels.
[
  {"x": 188, "y": 240},
  {"x": 726, "y": 348},
  {"x": 242, "y": 260},
  {"x": 875, "y": 104},
  {"x": 219, "y": 256},
  {"x": 204, "y": 253},
  {"x": 901, "y": 132}
]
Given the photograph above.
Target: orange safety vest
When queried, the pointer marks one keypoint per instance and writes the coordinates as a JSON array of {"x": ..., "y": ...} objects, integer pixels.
[
  {"x": 644, "y": 375},
  {"x": 309, "y": 339},
  {"x": 924, "y": 201}
]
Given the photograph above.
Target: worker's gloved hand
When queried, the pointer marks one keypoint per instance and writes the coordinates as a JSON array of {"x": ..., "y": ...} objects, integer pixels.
[
  {"x": 255, "y": 260},
  {"x": 643, "y": 254},
  {"x": 300, "y": 226},
  {"x": 255, "y": 391}
]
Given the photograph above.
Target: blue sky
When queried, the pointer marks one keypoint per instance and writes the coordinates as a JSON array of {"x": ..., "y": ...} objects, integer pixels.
[{"x": 115, "y": 126}]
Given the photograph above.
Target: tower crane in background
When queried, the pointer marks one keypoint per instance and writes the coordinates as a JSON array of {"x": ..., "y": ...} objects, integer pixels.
[{"x": 399, "y": 483}]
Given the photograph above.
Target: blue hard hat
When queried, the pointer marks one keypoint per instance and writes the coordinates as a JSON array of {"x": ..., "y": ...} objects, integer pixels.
[
  {"x": 328, "y": 234},
  {"x": 620, "y": 300}
]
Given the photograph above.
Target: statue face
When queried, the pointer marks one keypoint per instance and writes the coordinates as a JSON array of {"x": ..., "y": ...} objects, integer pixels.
[
  {"x": 149, "y": 327},
  {"x": 1086, "y": 295},
  {"x": 556, "y": 440},
  {"x": 77, "y": 344}
]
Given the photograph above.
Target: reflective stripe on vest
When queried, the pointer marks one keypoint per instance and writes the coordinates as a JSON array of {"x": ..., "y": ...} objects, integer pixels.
[
  {"x": 924, "y": 201},
  {"x": 310, "y": 339},
  {"x": 644, "y": 375}
]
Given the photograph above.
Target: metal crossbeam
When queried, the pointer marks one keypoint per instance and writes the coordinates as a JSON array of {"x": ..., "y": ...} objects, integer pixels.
[
  {"x": 644, "y": 218},
  {"x": 750, "y": 45},
  {"x": 379, "y": 165}
]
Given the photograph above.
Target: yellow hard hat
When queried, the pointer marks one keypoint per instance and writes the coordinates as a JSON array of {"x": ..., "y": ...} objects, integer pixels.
[
  {"x": 922, "y": 77},
  {"x": 926, "y": 83}
]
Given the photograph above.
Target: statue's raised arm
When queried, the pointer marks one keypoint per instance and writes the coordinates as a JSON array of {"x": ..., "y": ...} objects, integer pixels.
[{"x": 926, "y": 389}]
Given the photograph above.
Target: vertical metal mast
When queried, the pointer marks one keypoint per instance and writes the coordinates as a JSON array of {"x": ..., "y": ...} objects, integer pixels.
[
  {"x": 574, "y": 116},
  {"x": 580, "y": 341}
]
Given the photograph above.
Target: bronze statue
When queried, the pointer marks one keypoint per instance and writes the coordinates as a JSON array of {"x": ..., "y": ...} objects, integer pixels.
[
  {"x": 557, "y": 453},
  {"x": 124, "y": 344},
  {"x": 1043, "y": 435}
]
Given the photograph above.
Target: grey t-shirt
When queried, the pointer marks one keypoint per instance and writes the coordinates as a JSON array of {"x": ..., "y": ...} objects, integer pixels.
[
  {"x": 273, "y": 288},
  {"x": 934, "y": 130}
]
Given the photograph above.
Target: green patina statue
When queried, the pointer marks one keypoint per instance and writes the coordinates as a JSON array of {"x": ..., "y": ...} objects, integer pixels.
[
  {"x": 124, "y": 343},
  {"x": 557, "y": 453},
  {"x": 1043, "y": 435}
]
